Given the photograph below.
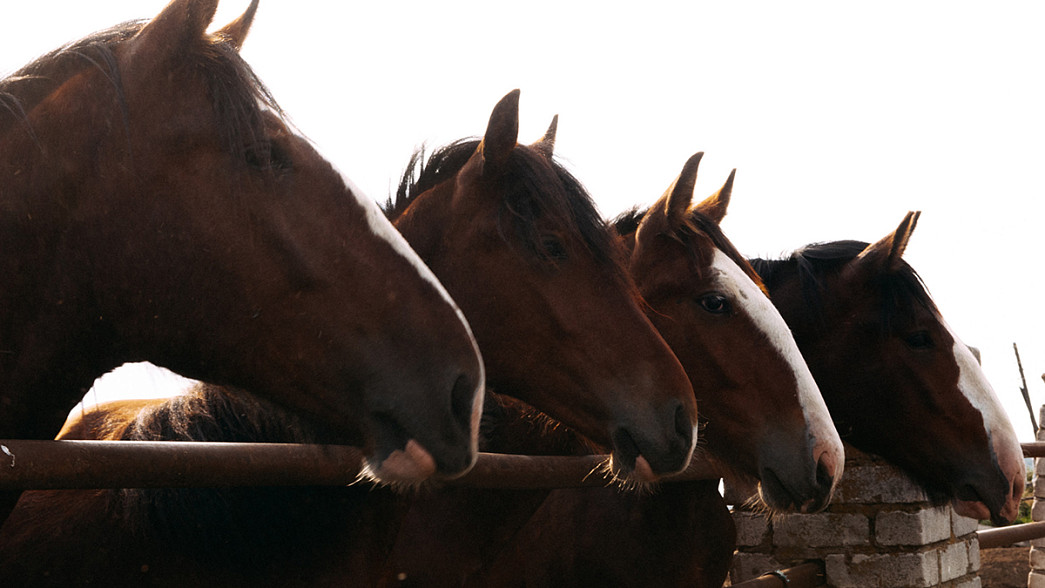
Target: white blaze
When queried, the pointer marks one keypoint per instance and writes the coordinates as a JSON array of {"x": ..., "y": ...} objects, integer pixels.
[{"x": 767, "y": 318}]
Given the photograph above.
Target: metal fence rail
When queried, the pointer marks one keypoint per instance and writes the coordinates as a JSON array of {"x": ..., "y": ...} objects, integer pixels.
[
  {"x": 149, "y": 464},
  {"x": 806, "y": 575}
]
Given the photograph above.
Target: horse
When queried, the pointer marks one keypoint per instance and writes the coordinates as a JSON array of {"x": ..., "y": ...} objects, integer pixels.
[
  {"x": 762, "y": 419},
  {"x": 570, "y": 336},
  {"x": 156, "y": 205},
  {"x": 897, "y": 379},
  {"x": 522, "y": 213},
  {"x": 898, "y": 383}
]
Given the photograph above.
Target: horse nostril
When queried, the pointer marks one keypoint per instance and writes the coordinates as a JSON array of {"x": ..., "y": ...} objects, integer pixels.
[
  {"x": 462, "y": 398},
  {"x": 682, "y": 425},
  {"x": 824, "y": 475}
]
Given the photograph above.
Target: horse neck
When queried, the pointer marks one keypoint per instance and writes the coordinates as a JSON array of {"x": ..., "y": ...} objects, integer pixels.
[{"x": 52, "y": 344}]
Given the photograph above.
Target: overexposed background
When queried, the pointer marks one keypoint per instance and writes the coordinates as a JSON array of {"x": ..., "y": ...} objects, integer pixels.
[{"x": 840, "y": 117}]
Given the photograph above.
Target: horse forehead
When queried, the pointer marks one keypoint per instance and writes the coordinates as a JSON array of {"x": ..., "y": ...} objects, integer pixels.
[{"x": 767, "y": 319}]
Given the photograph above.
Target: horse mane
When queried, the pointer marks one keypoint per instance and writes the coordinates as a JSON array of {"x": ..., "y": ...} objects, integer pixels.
[
  {"x": 509, "y": 425},
  {"x": 532, "y": 194},
  {"x": 695, "y": 223},
  {"x": 812, "y": 264},
  {"x": 238, "y": 96},
  {"x": 247, "y": 526}
]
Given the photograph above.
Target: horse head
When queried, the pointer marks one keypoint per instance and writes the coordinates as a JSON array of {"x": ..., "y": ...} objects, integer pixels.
[{"x": 522, "y": 249}]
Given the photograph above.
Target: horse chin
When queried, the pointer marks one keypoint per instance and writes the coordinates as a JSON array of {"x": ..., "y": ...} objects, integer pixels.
[
  {"x": 973, "y": 509},
  {"x": 408, "y": 466},
  {"x": 639, "y": 476}
]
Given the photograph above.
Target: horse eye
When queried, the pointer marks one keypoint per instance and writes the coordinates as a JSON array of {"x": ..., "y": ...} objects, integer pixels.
[
  {"x": 268, "y": 157},
  {"x": 715, "y": 304},
  {"x": 919, "y": 340},
  {"x": 554, "y": 249}
]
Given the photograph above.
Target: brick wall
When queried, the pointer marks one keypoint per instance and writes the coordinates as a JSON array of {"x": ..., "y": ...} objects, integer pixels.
[
  {"x": 880, "y": 530},
  {"x": 1036, "y": 578}
]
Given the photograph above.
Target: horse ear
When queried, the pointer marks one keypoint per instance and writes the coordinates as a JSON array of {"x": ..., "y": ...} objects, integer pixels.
[
  {"x": 502, "y": 133},
  {"x": 182, "y": 23},
  {"x": 676, "y": 200},
  {"x": 886, "y": 254},
  {"x": 236, "y": 31},
  {"x": 714, "y": 206},
  {"x": 546, "y": 146},
  {"x": 670, "y": 210}
]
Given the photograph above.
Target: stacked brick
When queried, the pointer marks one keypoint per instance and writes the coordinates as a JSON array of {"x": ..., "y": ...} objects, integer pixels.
[
  {"x": 879, "y": 531},
  {"x": 1036, "y": 578}
]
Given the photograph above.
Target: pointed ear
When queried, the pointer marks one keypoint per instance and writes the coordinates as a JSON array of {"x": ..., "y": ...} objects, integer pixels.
[
  {"x": 236, "y": 31},
  {"x": 885, "y": 255},
  {"x": 502, "y": 133},
  {"x": 671, "y": 209},
  {"x": 714, "y": 206},
  {"x": 182, "y": 23},
  {"x": 546, "y": 146}
]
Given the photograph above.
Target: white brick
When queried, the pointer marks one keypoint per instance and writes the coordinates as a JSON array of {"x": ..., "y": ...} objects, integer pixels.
[
  {"x": 821, "y": 530},
  {"x": 877, "y": 484},
  {"x": 921, "y": 527},
  {"x": 962, "y": 526},
  {"x": 1037, "y": 558},
  {"x": 752, "y": 528},
  {"x": 914, "y": 570},
  {"x": 970, "y": 583},
  {"x": 954, "y": 562},
  {"x": 1035, "y": 580},
  {"x": 974, "y": 555}
]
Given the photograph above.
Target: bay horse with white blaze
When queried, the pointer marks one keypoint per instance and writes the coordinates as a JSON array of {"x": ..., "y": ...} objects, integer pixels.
[
  {"x": 155, "y": 205},
  {"x": 520, "y": 220},
  {"x": 897, "y": 379}
]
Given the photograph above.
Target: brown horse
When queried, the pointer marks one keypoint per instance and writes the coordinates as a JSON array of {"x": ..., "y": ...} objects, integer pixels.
[
  {"x": 898, "y": 381},
  {"x": 155, "y": 205},
  {"x": 531, "y": 218},
  {"x": 763, "y": 419},
  {"x": 558, "y": 319}
]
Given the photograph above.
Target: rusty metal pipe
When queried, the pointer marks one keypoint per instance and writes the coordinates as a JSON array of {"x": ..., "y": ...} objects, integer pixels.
[
  {"x": 152, "y": 464},
  {"x": 806, "y": 575},
  {"x": 1004, "y": 536}
]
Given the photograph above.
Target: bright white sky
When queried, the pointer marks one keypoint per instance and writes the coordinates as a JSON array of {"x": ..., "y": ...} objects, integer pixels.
[{"x": 840, "y": 117}]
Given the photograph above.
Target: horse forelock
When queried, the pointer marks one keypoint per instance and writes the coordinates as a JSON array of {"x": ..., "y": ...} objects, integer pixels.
[
  {"x": 900, "y": 290},
  {"x": 694, "y": 226}
]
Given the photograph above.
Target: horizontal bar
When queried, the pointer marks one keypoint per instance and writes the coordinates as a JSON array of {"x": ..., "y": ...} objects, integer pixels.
[
  {"x": 1036, "y": 449},
  {"x": 1004, "y": 536},
  {"x": 27, "y": 464},
  {"x": 806, "y": 575}
]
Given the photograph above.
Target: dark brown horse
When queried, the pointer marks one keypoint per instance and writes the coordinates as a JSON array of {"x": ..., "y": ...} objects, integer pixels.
[
  {"x": 898, "y": 381},
  {"x": 154, "y": 205},
  {"x": 526, "y": 220}
]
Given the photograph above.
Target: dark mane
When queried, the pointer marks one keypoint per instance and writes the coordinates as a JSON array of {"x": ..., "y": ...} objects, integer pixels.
[
  {"x": 900, "y": 290},
  {"x": 532, "y": 194},
  {"x": 696, "y": 223},
  {"x": 237, "y": 95},
  {"x": 245, "y": 526}
]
